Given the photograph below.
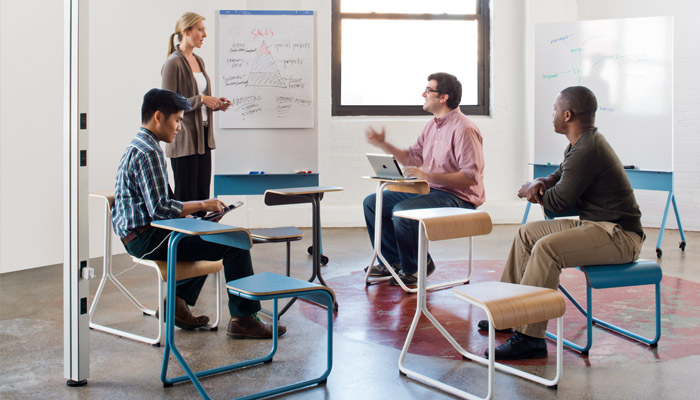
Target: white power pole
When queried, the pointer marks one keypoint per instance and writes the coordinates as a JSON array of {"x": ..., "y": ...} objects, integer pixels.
[{"x": 76, "y": 271}]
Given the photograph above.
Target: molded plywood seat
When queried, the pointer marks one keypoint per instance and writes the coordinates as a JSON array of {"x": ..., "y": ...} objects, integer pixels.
[
  {"x": 508, "y": 305},
  {"x": 446, "y": 223}
]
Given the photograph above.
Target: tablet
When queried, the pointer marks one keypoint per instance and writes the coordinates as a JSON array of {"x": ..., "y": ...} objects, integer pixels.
[{"x": 217, "y": 215}]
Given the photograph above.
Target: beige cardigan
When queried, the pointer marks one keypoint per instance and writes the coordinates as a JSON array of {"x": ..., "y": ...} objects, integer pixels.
[{"x": 177, "y": 76}]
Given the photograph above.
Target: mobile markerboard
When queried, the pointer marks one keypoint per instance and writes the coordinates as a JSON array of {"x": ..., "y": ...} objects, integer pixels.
[
  {"x": 265, "y": 66},
  {"x": 628, "y": 64}
]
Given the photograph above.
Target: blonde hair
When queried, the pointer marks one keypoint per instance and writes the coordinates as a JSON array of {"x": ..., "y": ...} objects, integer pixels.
[{"x": 187, "y": 21}]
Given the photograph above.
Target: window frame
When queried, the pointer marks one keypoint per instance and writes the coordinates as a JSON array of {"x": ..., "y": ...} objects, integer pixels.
[{"x": 483, "y": 63}]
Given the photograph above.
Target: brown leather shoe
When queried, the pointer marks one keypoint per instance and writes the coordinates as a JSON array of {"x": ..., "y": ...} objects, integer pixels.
[
  {"x": 251, "y": 327},
  {"x": 184, "y": 318}
]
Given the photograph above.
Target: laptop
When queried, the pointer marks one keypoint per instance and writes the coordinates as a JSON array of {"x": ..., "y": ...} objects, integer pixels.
[{"x": 386, "y": 167}]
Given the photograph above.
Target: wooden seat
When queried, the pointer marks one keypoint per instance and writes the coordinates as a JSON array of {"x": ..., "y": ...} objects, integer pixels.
[
  {"x": 442, "y": 224},
  {"x": 271, "y": 286},
  {"x": 508, "y": 305},
  {"x": 512, "y": 305},
  {"x": 185, "y": 270}
]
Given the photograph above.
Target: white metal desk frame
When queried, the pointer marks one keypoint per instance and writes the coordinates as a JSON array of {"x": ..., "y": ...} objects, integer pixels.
[
  {"x": 377, "y": 253},
  {"x": 422, "y": 308}
]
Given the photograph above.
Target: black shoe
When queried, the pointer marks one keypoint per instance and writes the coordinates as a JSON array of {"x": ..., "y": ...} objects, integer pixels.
[
  {"x": 380, "y": 269},
  {"x": 412, "y": 279},
  {"x": 520, "y": 347},
  {"x": 484, "y": 326}
]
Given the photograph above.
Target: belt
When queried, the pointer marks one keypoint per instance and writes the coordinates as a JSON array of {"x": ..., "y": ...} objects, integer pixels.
[
  {"x": 206, "y": 124},
  {"x": 132, "y": 235}
]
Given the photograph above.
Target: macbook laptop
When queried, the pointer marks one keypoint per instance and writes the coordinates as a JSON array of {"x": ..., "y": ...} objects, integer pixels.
[{"x": 386, "y": 167}]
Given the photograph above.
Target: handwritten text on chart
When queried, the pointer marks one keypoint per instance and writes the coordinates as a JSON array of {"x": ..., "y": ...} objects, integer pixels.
[
  {"x": 241, "y": 101},
  {"x": 235, "y": 80},
  {"x": 240, "y": 47},
  {"x": 260, "y": 32}
]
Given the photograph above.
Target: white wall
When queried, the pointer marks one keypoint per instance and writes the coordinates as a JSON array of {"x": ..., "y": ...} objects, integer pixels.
[
  {"x": 31, "y": 135},
  {"x": 127, "y": 48}
]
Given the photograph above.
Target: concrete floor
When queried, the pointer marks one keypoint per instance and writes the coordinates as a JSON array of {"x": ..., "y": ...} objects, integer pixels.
[{"x": 31, "y": 339}]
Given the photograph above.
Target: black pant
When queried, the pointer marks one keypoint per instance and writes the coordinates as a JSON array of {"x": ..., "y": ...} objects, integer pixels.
[
  {"x": 237, "y": 264},
  {"x": 192, "y": 175}
]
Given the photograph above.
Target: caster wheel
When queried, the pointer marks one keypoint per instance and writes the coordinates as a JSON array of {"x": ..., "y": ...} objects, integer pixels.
[
  {"x": 654, "y": 345},
  {"x": 167, "y": 384},
  {"x": 584, "y": 353},
  {"x": 324, "y": 260},
  {"x": 156, "y": 345},
  {"x": 401, "y": 373},
  {"x": 681, "y": 246},
  {"x": 268, "y": 361},
  {"x": 214, "y": 329},
  {"x": 323, "y": 382},
  {"x": 553, "y": 387},
  {"x": 659, "y": 253},
  {"x": 310, "y": 250}
]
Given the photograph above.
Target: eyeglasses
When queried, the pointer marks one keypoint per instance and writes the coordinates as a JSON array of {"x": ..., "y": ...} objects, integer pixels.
[{"x": 429, "y": 90}]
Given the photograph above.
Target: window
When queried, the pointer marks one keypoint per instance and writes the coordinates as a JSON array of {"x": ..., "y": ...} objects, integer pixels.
[{"x": 383, "y": 52}]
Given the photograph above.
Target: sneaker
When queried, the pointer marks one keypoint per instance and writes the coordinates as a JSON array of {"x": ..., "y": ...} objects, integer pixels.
[
  {"x": 412, "y": 279},
  {"x": 484, "y": 326},
  {"x": 251, "y": 327},
  {"x": 520, "y": 347},
  {"x": 380, "y": 269}
]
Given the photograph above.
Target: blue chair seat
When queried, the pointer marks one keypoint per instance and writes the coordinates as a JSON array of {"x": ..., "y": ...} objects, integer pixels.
[
  {"x": 641, "y": 272},
  {"x": 270, "y": 286}
]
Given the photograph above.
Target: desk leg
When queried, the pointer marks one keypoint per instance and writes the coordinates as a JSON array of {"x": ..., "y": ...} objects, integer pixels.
[
  {"x": 170, "y": 322},
  {"x": 377, "y": 254},
  {"x": 681, "y": 245},
  {"x": 316, "y": 240}
]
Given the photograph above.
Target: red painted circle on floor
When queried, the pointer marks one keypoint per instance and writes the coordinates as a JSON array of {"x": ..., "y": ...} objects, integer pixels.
[{"x": 382, "y": 314}]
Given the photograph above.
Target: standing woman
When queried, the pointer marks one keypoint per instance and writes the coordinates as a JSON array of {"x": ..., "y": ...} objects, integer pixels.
[{"x": 183, "y": 72}]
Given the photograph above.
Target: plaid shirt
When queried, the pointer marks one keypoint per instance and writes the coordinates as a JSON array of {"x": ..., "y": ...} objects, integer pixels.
[{"x": 141, "y": 192}]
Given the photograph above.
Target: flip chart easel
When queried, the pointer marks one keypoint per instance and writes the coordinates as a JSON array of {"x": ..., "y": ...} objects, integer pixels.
[{"x": 640, "y": 179}]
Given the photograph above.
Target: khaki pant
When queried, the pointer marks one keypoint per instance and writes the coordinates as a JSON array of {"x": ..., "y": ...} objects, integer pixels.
[{"x": 541, "y": 249}]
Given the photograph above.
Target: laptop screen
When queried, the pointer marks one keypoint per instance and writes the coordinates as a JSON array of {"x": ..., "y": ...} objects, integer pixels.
[{"x": 385, "y": 166}]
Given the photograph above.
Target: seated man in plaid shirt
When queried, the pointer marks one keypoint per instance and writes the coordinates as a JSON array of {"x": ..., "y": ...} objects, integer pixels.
[{"x": 142, "y": 194}]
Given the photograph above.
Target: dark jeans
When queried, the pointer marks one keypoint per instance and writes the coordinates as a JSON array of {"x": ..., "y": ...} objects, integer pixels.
[
  {"x": 237, "y": 264},
  {"x": 400, "y": 235}
]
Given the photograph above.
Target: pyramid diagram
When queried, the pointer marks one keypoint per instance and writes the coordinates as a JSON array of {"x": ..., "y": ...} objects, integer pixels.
[{"x": 264, "y": 72}]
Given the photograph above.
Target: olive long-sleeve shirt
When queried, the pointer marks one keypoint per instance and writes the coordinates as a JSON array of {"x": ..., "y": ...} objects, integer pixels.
[{"x": 592, "y": 179}]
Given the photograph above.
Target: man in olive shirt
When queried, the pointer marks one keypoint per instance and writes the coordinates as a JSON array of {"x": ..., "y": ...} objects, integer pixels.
[{"x": 591, "y": 179}]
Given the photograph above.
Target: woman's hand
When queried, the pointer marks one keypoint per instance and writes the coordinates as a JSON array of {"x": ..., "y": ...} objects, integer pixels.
[
  {"x": 211, "y": 102},
  {"x": 225, "y": 104}
]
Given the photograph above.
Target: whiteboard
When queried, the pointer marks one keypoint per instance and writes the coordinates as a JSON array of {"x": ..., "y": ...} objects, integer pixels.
[
  {"x": 265, "y": 66},
  {"x": 628, "y": 64}
]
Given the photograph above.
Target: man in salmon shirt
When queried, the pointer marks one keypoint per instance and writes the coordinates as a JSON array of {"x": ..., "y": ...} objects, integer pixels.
[{"x": 449, "y": 155}]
